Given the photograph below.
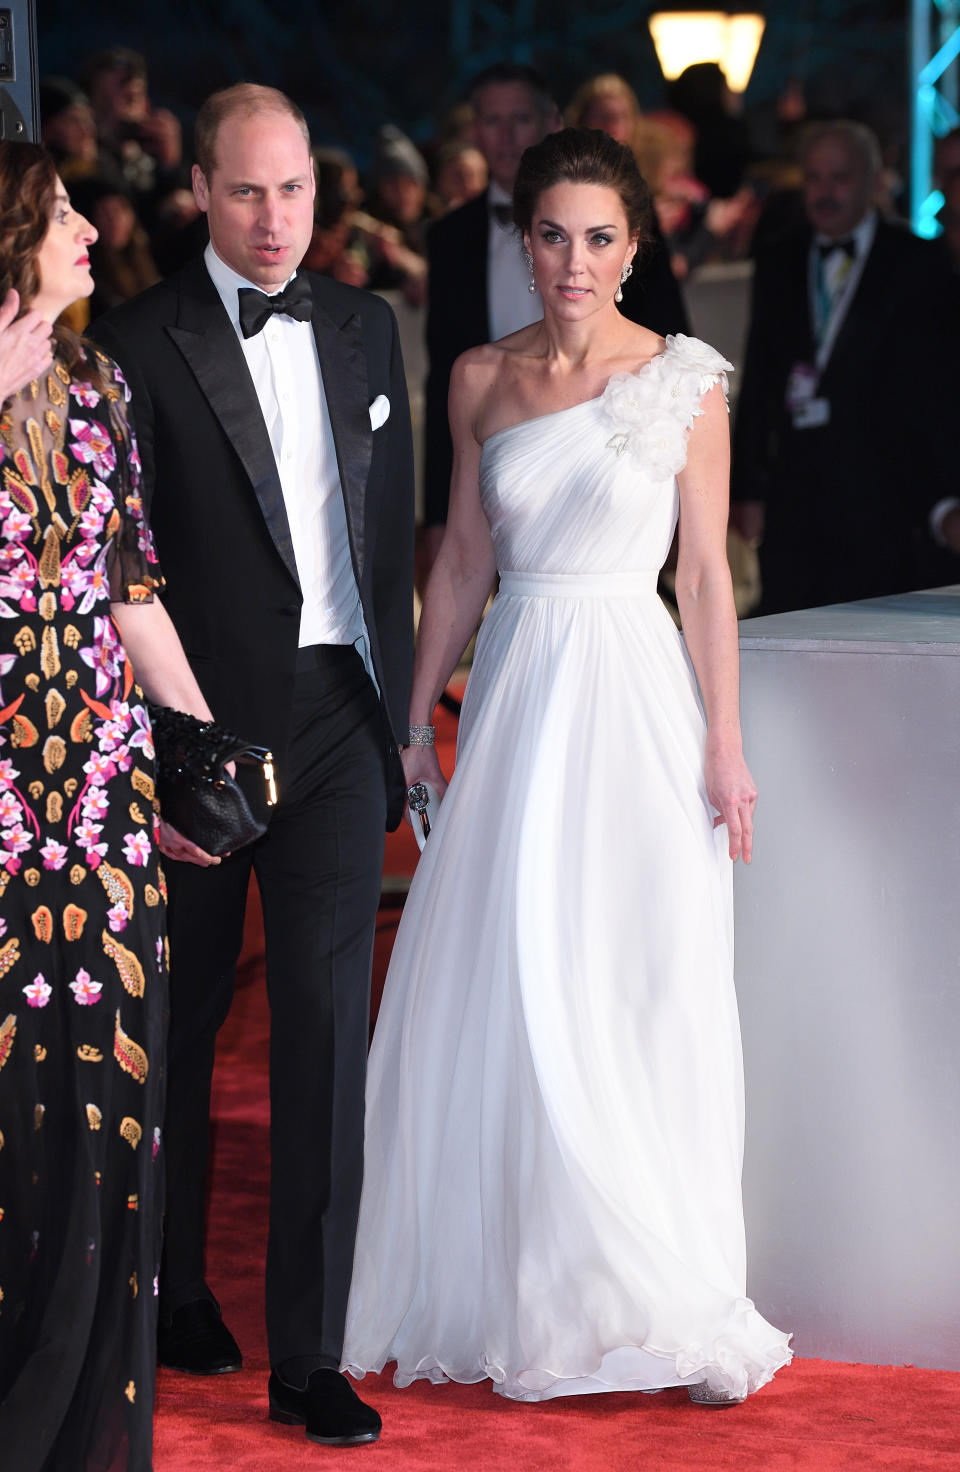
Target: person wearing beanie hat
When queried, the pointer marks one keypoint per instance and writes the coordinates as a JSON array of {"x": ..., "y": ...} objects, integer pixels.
[
  {"x": 396, "y": 154},
  {"x": 399, "y": 181}
]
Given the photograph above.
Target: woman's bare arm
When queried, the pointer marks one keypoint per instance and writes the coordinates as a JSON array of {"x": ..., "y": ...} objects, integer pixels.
[
  {"x": 464, "y": 571},
  {"x": 708, "y": 615}
]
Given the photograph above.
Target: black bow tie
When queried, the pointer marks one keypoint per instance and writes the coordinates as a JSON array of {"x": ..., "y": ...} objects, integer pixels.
[
  {"x": 256, "y": 308},
  {"x": 502, "y": 213},
  {"x": 827, "y": 247}
]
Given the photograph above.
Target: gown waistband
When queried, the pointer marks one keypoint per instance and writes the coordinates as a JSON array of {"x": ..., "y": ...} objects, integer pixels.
[{"x": 578, "y": 585}]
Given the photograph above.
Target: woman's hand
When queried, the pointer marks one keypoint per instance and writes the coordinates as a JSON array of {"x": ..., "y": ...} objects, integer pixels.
[
  {"x": 26, "y": 347},
  {"x": 420, "y": 764},
  {"x": 732, "y": 791},
  {"x": 175, "y": 846}
]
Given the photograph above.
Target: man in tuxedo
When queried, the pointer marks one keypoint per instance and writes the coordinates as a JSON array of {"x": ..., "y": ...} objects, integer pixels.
[
  {"x": 271, "y": 412},
  {"x": 478, "y": 281},
  {"x": 843, "y": 462}
]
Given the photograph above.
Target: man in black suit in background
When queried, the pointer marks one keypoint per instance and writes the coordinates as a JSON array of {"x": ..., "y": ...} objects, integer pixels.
[
  {"x": 844, "y": 451},
  {"x": 478, "y": 282},
  {"x": 272, "y": 418}
]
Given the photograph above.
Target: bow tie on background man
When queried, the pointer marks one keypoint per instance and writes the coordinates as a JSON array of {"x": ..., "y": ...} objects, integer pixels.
[
  {"x": 827, "y": 247},
  {"x": 502, "y": 213},
  {"x": 256, "y": 308}
]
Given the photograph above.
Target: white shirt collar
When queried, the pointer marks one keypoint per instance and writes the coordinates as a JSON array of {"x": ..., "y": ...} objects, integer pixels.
[
  {"x": 228, "y": 282},
  {"x": 861, "y": 234},
  {"x": 496, "y": 195}
]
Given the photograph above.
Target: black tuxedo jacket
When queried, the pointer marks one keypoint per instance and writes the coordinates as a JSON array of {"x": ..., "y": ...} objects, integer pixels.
[
  {"x": 215, "y": 503},
  {"x": 847, "y": 503},
  {"x": 458, "y": 319}
]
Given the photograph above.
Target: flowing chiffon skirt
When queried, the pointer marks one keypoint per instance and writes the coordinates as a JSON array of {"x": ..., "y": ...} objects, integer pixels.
[{"x": 555, "y": 1104}]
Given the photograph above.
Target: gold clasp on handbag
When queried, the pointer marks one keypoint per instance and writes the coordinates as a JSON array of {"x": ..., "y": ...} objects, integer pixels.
[{"x": 269, "y": 778}]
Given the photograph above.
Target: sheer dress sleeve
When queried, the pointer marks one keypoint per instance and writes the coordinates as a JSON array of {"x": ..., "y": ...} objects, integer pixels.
[{"x": 132, "y": 567}]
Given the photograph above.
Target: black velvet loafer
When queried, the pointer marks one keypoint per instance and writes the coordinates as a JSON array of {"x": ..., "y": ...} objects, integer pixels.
[
  {"x": 328, "y": 1408},
  {"x": 195, "y": 1340}
]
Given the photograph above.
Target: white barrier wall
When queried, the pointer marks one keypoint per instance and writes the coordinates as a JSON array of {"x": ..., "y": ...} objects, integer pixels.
[{"x": 848, "y": 974}]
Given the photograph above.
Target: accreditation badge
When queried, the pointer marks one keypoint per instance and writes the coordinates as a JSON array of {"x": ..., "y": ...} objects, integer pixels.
[{"x": 806, "y": 409}]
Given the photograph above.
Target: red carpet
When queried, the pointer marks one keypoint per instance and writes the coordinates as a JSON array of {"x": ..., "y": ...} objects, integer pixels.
[{"x": 817, "y": 1416}]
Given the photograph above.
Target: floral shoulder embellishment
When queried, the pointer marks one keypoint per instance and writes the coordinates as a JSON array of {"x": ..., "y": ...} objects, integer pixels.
[
  {"x": 652, "y": 410},
  {"x": 694, "y": 356}
]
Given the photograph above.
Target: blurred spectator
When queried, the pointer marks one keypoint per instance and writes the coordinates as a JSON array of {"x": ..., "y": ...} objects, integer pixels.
[
  {"x": 478, "y": 282},
  {"x": 338, "y": 183},
  {"x": 140, "y": 146},
  {"x": 457, "y": 125},
  {"x": 722, "y": 149},
  {"x": 120, "y": 260},
  {"x": 609, "y": 103},
  {"x": 459, "y": 175},
  {"x": 777, "y": 186},
  {"x": 679, "y": 198},
  {"x": 331, "y": 251},
  {"x": 398, "y": 199},
  {"x": 844, "y": 459},
  {"x": 67, "y": 128}
]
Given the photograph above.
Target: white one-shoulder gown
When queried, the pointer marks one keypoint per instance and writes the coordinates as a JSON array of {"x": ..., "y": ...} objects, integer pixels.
[{"x": 555, "y": 1105}]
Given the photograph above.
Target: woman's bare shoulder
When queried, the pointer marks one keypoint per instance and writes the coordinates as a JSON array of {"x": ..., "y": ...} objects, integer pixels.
[
  {"x": 639, "y": 343},
  {"x": 476, "y": 371}
]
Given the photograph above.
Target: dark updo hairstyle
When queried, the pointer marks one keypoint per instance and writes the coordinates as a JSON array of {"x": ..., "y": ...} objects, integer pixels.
[
  {"x": 582, "y": 156},
  {"x": 28, "y": 186}
]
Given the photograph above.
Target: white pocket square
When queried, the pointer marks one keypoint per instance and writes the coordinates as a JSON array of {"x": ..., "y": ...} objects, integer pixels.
[{"x": 379, "y": 411}]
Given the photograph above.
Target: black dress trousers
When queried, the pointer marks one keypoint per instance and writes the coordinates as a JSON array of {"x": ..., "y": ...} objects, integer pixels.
[{"x": 318, "y": 868}]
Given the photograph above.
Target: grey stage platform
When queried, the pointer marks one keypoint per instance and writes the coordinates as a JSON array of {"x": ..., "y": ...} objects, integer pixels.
[{"x": 848, "y": 973}]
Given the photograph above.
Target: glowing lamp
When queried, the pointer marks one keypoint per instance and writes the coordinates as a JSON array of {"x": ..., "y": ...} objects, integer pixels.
[{"x": 684, "y": 37}]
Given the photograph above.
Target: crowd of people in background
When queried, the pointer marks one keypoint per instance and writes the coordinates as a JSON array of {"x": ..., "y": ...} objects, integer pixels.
[
  {"x": 727, "y": 186},
  {"x": 717, "y": 194}
]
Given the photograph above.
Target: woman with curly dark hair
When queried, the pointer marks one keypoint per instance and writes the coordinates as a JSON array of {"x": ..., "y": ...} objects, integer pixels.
[{"x": 83, "y": 963}]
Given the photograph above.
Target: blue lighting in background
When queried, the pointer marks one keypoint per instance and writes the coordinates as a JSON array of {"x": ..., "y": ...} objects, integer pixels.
[{"x": 934, "y": 114}]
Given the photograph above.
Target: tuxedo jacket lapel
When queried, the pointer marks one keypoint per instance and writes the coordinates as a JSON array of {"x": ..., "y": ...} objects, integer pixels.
[
  {"x": 796, "y": 299},
  {"x": 867, "y": 312},
  {"x": 207, "y": 339},
  {"x": 343, "y": 368}
]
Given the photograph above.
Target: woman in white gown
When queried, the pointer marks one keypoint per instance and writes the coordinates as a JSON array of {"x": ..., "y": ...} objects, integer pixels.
[{"x": 554, "y": 1108}]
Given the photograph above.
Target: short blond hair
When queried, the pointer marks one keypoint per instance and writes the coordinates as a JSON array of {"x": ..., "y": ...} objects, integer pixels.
[{"x": 245, "y": 100}]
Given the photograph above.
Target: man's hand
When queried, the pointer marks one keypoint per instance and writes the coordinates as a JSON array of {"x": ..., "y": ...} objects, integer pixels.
[{"x": 26, "y": 346}]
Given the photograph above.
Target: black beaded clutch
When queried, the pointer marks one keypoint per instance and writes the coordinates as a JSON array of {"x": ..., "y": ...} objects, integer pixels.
[{"x": 196, "y": 795}]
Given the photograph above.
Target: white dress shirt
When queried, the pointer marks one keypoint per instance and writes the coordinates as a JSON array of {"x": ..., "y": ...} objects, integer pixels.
[
  {"x": 285, "y": 369},
  {"x": 842, "y": 277},
  {"x": 510, "y": 305}
]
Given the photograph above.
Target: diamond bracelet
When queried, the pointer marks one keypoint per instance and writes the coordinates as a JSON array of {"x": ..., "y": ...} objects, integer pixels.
[{"x": 422, "y": 736}]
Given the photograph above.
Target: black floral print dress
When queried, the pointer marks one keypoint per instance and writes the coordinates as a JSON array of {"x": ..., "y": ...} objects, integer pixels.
[{"x": 83, "y": 964}]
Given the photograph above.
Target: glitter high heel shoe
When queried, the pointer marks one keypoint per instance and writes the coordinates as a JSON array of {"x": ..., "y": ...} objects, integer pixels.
[{"x": 703, "y": 1395}]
